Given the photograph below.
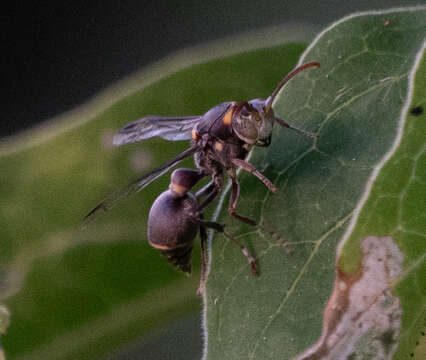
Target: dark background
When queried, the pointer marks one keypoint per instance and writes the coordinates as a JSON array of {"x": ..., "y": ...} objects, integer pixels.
[{"x": 56, "y": 55}]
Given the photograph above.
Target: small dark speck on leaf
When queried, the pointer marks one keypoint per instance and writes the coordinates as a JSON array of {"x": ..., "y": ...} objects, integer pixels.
[
  {"x": 416, "y": 111},
  {"x": 387, "y": 340},
  {"x": 351, "y": 356}
]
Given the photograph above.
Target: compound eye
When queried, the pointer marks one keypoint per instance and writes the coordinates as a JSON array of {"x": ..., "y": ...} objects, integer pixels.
[
  {"x": 245, "y": 109},
  {"x": 244, "y": 112}
]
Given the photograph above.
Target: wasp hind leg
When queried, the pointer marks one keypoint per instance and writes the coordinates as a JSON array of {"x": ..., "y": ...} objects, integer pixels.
[
  {"x": 203, "y": 276},
  {"x": 203, "y": 234}
]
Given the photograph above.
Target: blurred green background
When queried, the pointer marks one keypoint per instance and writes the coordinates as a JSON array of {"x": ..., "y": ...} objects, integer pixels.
[
  {"x": 104, "y": 293},
  {"x": 78, "y": 295}
]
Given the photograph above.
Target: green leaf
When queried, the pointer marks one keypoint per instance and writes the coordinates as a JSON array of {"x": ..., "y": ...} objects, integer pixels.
[
  {"x": 396, "y": 207},
  {"x": 75, "y": 295},
  {"x": 357, "y": 102}
]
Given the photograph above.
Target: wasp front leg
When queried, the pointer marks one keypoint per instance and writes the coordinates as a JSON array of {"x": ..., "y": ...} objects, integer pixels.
[{"x": 251, "y": 169}]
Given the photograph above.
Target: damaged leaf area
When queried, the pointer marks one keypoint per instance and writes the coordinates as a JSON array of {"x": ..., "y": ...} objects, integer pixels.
[
  {"x": 354, "y": 102},
  {"x": 362, "y": 319},
  {"x": 396, "y": 207}
]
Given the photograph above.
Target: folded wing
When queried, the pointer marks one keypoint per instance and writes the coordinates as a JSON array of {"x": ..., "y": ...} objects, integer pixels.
[
  {"x": 173, "y": 128},
  {"x": 136, "y": 186}
]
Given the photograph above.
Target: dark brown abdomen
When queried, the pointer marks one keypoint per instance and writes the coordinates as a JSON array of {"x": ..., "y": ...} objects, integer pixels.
[{"x": 170, "y": 229}]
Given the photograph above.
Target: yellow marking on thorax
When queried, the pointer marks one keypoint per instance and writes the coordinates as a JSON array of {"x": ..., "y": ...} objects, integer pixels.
[
  {"x": 194, "y": 135},
  {"x": 227, "y": 118},
  {"x": 218, "y": 146}
]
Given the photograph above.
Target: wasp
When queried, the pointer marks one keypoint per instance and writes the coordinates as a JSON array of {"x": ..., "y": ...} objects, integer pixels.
[{"x": 220, "y": 141}]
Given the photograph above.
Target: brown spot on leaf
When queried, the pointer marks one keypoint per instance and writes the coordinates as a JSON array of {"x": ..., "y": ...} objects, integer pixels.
[{"x": 362, "y": 315}]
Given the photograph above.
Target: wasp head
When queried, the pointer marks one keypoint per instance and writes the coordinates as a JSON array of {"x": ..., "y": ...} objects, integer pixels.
[{"x": 252, "y": 123}]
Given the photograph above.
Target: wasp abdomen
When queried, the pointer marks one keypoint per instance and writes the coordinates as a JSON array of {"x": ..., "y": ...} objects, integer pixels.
[
  {"x": 180, "y": 257},
  {"x": 171, "y": 229}
]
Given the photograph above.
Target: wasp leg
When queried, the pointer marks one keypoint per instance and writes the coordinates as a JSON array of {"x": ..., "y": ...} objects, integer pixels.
[
  {"x": 203, "y": 276},
  {"x": 210, "y": 197},
  {"x": 204, "y": 190},
  {"x": 251, "y": 169},
  {"x": 235, "y": 194},
  {"x": 220, "y": 228},
  {"x": 214, "y": 187}
]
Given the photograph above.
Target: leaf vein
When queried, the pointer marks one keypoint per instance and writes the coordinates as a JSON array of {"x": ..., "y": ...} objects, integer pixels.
[{"x": 320, "y": 241}]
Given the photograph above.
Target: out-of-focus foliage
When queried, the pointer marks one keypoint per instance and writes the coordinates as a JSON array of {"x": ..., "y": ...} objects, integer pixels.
[{"x": 77, "y": 295}]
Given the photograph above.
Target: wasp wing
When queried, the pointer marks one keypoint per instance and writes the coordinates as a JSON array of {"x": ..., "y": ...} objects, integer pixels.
[
  {"x": 173, "y": 128},
  {"x": 136, "y": 186}
]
